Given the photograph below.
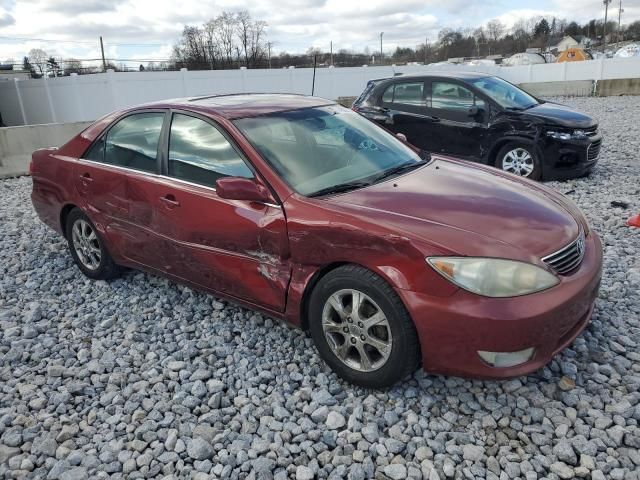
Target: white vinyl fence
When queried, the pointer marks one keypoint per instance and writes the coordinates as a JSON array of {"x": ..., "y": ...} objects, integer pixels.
[{"x": 87, "y": 97}]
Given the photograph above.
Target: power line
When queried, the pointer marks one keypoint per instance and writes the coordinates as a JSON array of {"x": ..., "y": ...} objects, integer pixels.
[{"x": 81, "y": 42}]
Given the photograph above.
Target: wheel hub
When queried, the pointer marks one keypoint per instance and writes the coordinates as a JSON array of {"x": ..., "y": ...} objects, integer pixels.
[
  {"x": 357, "y": 330},
  {"x": 518, "y": 161},
  {"x": 86, "y": 245}
]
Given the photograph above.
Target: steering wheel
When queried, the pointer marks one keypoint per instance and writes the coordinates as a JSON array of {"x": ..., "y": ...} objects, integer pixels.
[{"x": 368, "y": 145}]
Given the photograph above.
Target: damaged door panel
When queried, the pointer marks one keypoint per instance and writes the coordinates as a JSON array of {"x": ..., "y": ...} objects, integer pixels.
[{"x": 235, "y": 247}]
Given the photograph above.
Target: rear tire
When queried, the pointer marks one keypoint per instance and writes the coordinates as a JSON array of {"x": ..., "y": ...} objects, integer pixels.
[
  {"x": 88, "y": 249},
  {"x": 374, "y": 346},
  {"x": 520, "y": 159}
]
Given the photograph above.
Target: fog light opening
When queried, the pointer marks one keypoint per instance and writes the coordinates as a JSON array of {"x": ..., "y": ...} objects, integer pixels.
[{"x": 507, "y": 359}]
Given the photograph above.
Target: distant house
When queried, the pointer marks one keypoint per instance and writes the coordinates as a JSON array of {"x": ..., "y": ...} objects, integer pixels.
[{"x": 561, "y": 44}]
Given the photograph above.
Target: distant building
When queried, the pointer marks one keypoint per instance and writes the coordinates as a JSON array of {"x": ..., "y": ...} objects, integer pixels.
[
  {"x": 524, "y": 59},
  {"x": 561, "y": 44}
]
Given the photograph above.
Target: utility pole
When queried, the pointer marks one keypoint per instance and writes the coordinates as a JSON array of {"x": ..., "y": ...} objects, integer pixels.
[
  {"x": 426, "y": 46},
  {"x": 313, "y": 85},
  {"x": 381, "y": 33},
  {"x": 104, "y": 63},
  {"x": 620, "y": 10},
  {"x": 269, "y": 49},
  {"x": 331, "y": 49},
  {"x": 604, "y": 27}
]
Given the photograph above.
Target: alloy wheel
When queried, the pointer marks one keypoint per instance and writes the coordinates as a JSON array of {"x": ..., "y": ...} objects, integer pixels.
[
  {"x": 518, "y": 161},
  {"x": 86, "y": 244},
  {"x": 357, "y": 330}
]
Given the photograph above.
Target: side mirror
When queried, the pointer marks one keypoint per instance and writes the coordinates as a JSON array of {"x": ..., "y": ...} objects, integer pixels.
[
  {"x": 239, "y": 188},
  {"x": 473, "y": 111},
  {"x": 402, "y": 137}
]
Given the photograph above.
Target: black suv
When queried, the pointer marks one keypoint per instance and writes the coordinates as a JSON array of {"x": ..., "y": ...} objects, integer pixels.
[{"x": 485, "y": 119}]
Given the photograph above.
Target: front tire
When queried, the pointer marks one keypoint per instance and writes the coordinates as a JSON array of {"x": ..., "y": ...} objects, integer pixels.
[
  {"x": 362, "y": 329},
  {"x": 88, "y": 249},
  {"x": 520, "y": 159}
]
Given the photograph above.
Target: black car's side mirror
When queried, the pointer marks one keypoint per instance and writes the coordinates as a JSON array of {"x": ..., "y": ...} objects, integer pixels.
[
  {"x": 473, "y": 111},
  {"x": 402, "y": 137}
]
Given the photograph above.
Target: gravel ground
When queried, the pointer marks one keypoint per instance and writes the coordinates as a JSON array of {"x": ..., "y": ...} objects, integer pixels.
[{"x": 143, "y": 378}]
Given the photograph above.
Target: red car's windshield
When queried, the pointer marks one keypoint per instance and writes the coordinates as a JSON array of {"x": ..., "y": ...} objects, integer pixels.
[{"x": 317, "y": 149}]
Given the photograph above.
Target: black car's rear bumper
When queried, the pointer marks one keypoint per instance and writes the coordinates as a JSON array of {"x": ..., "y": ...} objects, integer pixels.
[{"x": 563, "y": 159}]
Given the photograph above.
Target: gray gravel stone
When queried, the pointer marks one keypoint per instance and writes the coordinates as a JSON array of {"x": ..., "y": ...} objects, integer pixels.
[
  {"x": 199, "y": 449},
  {"x": 335, "y": 420},
  {"x": 562, "y": 470},
  {"x": 564, "y": 451},
  {"x": 304, "y": 473},
  {"x": 395, "y": 471}
]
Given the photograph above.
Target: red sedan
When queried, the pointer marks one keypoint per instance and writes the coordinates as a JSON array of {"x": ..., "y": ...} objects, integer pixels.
[{"x": 307, "y": 211}]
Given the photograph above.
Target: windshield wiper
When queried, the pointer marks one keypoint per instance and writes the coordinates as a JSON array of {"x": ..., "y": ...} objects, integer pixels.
[
  {"x": 343, "y": 187},
  {"x": 405, "y": 167}
]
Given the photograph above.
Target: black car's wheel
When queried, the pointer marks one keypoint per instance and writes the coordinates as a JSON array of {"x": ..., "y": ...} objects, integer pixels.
[
  {"x": 520, "y": 159},
  {"x": 361, "y": 328},
  {"x": 88, "y": 249}
]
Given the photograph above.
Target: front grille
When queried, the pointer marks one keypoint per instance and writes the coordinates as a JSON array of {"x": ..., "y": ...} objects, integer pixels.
[
  {"x": 593, "y": 150},
  {"x": 568, "y": 258}
]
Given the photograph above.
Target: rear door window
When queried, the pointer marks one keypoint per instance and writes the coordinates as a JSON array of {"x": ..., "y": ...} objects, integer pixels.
[
  {"x": 405, "y": 93},
  {"x": 132, "y": 143},
  {"x": 454, "y": 97}
]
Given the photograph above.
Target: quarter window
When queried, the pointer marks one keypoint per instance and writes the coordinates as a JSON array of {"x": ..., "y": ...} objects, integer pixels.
[
  {"x": 387, "y": 97},
  {"x": 451, "y": 96},
  {"x": 405, "y": 94},
  {"x": 199, "y": 153},
  {"x": 132, "y": 143}
]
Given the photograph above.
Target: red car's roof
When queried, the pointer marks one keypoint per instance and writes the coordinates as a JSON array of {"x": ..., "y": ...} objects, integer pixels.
[{"x": 244, "y": 104}]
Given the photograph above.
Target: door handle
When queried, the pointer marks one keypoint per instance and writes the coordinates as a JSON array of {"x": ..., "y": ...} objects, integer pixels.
[
  {"x": 435, "y": 119},
  {"x": 170, "y": 201},
  {"x": 86, "y": 178}
]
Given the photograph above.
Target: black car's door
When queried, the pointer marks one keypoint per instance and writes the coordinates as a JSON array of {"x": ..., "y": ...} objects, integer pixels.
[
  {"x": 404, "y": 104},
  {"x": 460, "y": 118}
]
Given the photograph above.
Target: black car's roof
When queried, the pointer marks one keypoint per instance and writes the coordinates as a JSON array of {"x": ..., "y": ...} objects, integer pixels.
[{"x": 439, "y": 74}]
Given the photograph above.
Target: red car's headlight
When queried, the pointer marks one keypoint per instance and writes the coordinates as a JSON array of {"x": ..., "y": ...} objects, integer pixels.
[{"x": 493, "y": 277}]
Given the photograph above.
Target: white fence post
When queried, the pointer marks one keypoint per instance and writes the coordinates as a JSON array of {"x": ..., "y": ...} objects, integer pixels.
[
  {"x": 49, "y": 100},
  {"x": 243, "y": 79},
  {"x": 19, "y": 97},
  {"x": 76, "y": 97},
  {"x": 112, "y": 87},
  {"x": 183, "y": 73}
]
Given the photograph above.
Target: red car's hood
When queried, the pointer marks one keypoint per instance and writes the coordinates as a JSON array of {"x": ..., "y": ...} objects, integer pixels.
[{"x": 469, "y": 210}]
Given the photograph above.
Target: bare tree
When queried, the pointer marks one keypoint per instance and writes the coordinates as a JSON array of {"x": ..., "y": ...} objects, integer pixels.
[
  {"x": 495, "y": 29},
  {"x": 38, "y": 58},
  {"x": 223, "y": 42},
  {"x": 225, "y": 35}
]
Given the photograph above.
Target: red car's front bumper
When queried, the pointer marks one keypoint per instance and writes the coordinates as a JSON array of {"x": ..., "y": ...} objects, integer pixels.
[{"x": 454, "y": 329}]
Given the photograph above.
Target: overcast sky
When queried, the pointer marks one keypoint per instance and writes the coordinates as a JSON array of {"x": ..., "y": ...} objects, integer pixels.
[{"x": 294, "y": 25}]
